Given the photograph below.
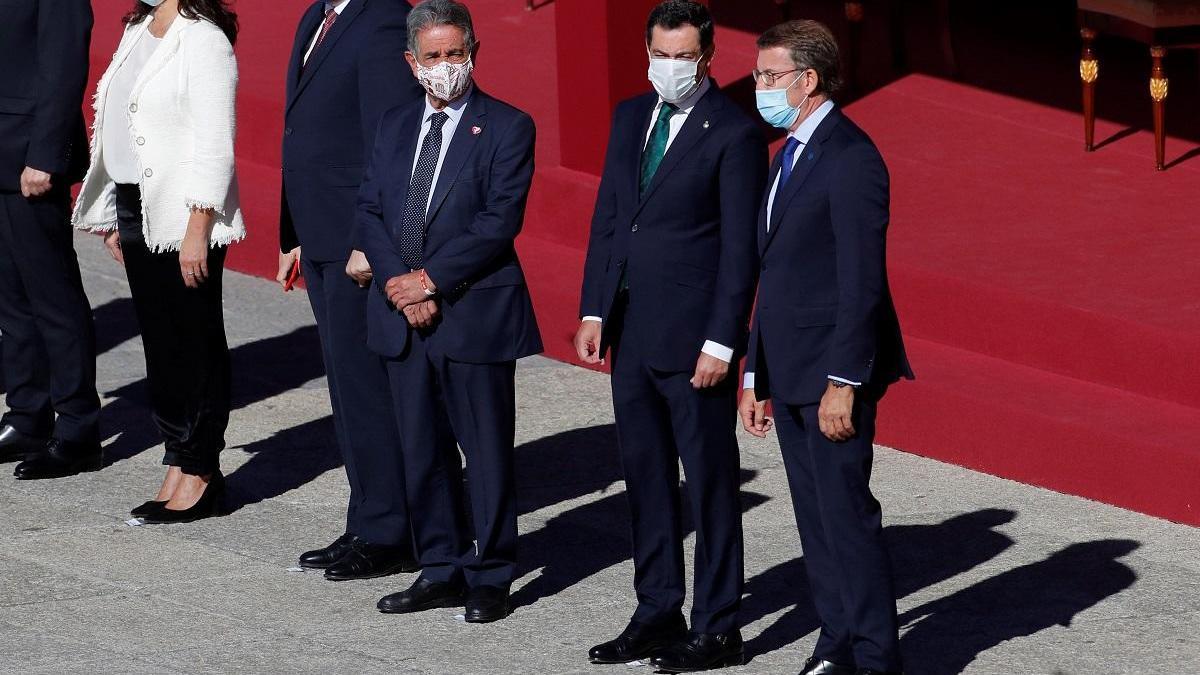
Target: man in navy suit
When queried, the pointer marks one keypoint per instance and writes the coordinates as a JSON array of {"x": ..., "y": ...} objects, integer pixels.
[
  {"x": 347, "y": 68},
  {"x": 826, "y": 343},
  {"x": 442, "y": 202},
  {"x": 668, "y": 284},
  {"x": 49, "y": 354}
]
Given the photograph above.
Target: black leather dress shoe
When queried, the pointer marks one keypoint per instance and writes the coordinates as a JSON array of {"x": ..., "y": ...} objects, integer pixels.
[
  {"x": 322, "y": 558},
  {"x": 815, "y": 666},
  {"x": 422, "y": 595},
  {"x": 486, "y": 604},
  {"x": 16, "y": 446},
  {"x": 701, "y": 651},
  {"x": 868, "y": 671},
  {"x": 59, "y": 458},
  {"x": 639, "y": 641},
  {"x": 365, "y": 560}
]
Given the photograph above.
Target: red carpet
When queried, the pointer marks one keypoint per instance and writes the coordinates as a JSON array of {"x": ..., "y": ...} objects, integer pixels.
[{"x": 1050, "y": 296}]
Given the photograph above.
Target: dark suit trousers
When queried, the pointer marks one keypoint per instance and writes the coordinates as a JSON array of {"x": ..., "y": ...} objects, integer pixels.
[
  {"x": 661, "y": 420},
  {"x": 183, "y": 335},
  {"x": 437, "y": 401},
  {"x": 362, "y": 406},
  {"x": 49, "y": 350},
  {"x": 840, "y": 523}
]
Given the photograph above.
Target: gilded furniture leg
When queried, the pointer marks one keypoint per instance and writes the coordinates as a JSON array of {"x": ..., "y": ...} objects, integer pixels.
[
  {"x": 1089, "y": 70},
  {"x": 1158, "y": 94}
]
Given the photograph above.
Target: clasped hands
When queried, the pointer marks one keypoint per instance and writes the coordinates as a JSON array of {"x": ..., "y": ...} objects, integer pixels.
[{"x": 407, "y": 294}]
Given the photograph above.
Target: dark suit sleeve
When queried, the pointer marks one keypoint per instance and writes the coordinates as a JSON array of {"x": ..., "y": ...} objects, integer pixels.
[
  {"x": 64, "y": 36},
  {"x": 743, "y": 175},
  {"x": 370, "y": 230},
  {"x": 492, "y": 232},
  {"x": 858, "y": 202},
  {"x": 599, "y": 250}
]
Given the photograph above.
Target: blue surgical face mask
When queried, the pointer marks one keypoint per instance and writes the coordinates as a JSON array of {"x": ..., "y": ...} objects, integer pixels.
[
  {"x": 774, "y": 108},
  {"x": 153, "y": 3}
]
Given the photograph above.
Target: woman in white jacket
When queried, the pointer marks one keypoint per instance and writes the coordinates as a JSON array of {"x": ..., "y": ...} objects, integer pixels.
[{"x": 162, "y": 188}]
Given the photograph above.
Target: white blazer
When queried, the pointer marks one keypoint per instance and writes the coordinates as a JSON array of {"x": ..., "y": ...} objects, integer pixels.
[{"x": 181, "y": 122}]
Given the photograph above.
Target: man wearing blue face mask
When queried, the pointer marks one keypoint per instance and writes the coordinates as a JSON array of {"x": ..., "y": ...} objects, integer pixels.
[
  {"x": 668, "y": 284},
  {"x": 826, "y": 343}
]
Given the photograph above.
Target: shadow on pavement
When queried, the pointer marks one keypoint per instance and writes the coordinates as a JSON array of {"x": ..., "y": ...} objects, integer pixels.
[{"x": 282, "y": 462}]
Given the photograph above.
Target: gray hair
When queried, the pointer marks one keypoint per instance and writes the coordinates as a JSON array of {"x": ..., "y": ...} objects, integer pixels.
[{"x": 432, "y": 13}]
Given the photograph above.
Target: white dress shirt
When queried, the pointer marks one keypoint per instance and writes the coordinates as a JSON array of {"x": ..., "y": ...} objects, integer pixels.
[
  {"x": 803, "y": 134},
  {"x": 676, "y": 122},
  {"x": 119, "y": 159},
  {"x": 338, "y": 6},
  {"x": 454, "y": 111}
]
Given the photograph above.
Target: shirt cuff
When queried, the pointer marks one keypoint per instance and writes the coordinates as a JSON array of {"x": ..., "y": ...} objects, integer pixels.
[
  {"x": 717, "y": 351},
  {"x": 592, "y": 318},
  {"x": 845, "y": 381},
  {"x": 748, "y": 381}
]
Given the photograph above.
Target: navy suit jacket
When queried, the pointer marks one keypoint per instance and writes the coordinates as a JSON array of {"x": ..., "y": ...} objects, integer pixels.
[
  {"x": 42, "y": 82},
  {"x": 687, "y": 246},
  {"x": 332, "y": 111},
  {"x": 476, "y": 213},
  {"x": 824, "y": 307}
]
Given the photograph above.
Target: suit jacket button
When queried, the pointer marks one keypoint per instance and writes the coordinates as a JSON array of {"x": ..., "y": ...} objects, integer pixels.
[
  {"x": 141, "y": 140},
  {"x": 634, "y": 228},
  {"x": 287, "y": 131},
  {"x": 149, "y": 173},
  {"x": 620, "y": 263},
  {"x": 132, "y": 107}
]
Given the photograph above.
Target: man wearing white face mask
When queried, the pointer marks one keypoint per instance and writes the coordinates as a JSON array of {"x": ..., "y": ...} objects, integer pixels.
[
  {"x": 441, "y": 204},
  {"x": 668, "y": 284},
  {"x": 826, "y": 343}
]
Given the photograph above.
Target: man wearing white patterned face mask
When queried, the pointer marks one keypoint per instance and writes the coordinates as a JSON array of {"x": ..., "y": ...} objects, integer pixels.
[
  {"x": 443, "y": 200},
  {"x": 668, "y": 283}
]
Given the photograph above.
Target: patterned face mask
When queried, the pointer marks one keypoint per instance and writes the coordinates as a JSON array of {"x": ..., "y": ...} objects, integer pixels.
[{"x": 446, "y": 81}]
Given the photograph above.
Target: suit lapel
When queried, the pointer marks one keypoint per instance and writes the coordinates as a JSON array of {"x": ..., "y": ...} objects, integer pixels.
[
  {"x": 762, "y": 208},
  {"x": 805, "y": 163},
  {"x": 406, "y": 154},
  {"x": 462, "y": 144},
  {"x": 304, "y": 35},
  {"x": 694, "y": 128},
  {"x": 340, "y": 26},
  {"x": 633, "y": 158},
  {"x": 162, "y": 55}
]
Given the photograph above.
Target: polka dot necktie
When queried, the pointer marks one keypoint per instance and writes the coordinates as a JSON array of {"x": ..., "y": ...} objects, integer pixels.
[{"x": 412, "y": 236}]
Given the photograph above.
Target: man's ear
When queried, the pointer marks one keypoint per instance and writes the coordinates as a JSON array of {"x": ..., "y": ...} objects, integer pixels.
[
  {"x": 706, "y": 61},
  {"x": 412, "y": 62},
  {"x": 475, "y": 52}
]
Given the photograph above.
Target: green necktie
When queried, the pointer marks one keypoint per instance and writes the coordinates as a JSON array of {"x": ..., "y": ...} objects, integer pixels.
[{"x": 656, "y": 147}]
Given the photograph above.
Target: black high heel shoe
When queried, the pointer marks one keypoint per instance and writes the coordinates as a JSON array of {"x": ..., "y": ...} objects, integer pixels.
[
  {"x": 207, "y": 506},
  {"x": 146, "y": 509}
]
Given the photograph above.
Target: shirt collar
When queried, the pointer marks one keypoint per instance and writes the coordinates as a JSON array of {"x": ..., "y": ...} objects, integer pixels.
[
  {"x": 804, "y": 132},
  {"x": 454, "y": 109},
  {"x": 339, "y": 7},
  {"x": 685, "y": 106}
]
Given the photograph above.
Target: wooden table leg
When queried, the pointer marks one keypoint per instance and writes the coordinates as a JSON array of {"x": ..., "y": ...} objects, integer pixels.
[
  {"x": 1089, "y": 70},
  {"x": 1158, "y": 93}
]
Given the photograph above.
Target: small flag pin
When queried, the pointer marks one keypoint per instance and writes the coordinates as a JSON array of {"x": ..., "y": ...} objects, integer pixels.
[
  {"x": 476, "y": 130},
  {"x": 705, "y": 124}
]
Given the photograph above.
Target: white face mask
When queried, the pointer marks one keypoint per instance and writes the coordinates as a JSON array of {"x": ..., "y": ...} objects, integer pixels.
[
  {"x": 446, "y": 81},
  {"x": 673, "y": 79}
]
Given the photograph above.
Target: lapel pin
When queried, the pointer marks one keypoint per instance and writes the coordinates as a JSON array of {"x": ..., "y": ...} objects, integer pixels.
[
  {"x": 706, "y": 124},
  {"x": 476, "y": 130}
]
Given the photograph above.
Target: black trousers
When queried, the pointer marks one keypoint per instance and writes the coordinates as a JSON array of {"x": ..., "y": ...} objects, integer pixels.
[
  {"x": 437, "y": 401},
  {"x": 661, "y": 420},
  {"x": 183, "y": 333},
  {"x": 49, "y": 352},
  {"x": 841, "y": 531},
  {"x": 362, "y": 407}
]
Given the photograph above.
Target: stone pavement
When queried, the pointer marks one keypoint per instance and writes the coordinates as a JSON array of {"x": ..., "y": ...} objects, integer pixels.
[{"x": 993, "y": 576}]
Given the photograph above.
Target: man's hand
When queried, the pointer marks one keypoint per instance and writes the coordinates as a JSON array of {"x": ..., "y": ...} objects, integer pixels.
[
  {"x": 405, "y": 290},
  {"x": 710, "y": 371},
  {"x": 287, "y": 261},
  {"x": 34, "y": 183},
  {"x": 587, "y": 342},
  {"x": 833, "y": 416},
  {"x": 422, "y": 314},
  {"x": 753, "y": 413},
  {"x": 112, "y": 242},
  {"x": 358, "y": 269}
]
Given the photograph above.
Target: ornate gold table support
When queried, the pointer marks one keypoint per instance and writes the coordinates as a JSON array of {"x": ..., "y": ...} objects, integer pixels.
[
  {"x": 1089, "y": 71},
  {"x": 1158, "y": 94}
]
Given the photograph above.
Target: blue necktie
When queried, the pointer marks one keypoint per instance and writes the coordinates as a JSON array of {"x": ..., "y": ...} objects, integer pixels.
[
  {"x": 412, "y": 233},
  {"x": 789, "y": 160}
]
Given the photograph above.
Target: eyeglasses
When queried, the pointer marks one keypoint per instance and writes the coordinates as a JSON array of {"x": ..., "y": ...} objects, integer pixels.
[{"x": 769, "y": 78}]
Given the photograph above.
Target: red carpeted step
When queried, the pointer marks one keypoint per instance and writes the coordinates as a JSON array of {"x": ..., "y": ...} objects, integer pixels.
[{"x": 1037, "y": 427}]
